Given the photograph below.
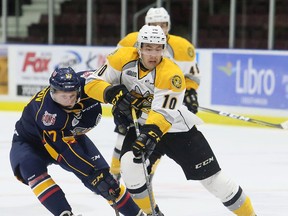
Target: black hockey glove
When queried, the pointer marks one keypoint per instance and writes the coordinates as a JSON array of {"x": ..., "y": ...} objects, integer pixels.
[
  {"x": 105, "y": 184},
  {"x": 121, "y": 121},
  {"x": 122, "y": 99},
  {"x": 146, "y": 142},
  {"x": 191, "y": 100}
]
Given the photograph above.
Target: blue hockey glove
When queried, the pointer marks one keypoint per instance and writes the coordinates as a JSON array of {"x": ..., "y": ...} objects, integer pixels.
[
  {"x": 191, "y": 100},
  {"x": 146, "y": 142},
  {"x": 105, "y": 184}
]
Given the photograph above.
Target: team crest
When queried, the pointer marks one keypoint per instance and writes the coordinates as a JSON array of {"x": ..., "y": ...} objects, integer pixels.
[
  {"x": 49, "y": 119},
  {"x": 190, "y": 52},
  {"x": 68, "y": 76},
  {"x": 177, "y": 81}
]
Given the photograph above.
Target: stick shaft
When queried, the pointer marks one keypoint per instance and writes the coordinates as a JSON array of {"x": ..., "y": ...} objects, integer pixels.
[
  {"x": 114, "y": 205},
  {"x": 149, "y": 189},
  {"x": 242, "y": 118}
]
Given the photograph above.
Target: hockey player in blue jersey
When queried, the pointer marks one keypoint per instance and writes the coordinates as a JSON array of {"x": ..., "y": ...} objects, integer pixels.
[{"x": 52, "y": 130}]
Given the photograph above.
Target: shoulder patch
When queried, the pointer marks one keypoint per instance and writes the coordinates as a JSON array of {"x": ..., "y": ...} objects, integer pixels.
[
  {"x": 190, "y": 52},
  {"x": 49, "y": 119},
  {"x": 176, "y": 81}
]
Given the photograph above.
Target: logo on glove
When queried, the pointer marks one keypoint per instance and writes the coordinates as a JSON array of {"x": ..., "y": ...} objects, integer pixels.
[{"x": 117, "y": 97}]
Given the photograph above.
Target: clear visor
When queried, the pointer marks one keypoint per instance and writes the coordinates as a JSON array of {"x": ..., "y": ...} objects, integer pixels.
[{"x": 159, "y": 51}]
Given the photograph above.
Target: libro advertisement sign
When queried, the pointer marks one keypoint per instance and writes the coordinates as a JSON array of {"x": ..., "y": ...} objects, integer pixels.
[{"x": 250, "y": 80}]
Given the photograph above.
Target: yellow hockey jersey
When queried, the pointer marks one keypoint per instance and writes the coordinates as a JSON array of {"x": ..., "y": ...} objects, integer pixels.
[
  {"x": 180, "y": 50},
  {"x": 164, "y": 87}
]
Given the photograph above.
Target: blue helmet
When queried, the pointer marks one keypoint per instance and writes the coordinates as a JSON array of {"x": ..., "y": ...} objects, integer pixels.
[{"x": 64, "y": 79}]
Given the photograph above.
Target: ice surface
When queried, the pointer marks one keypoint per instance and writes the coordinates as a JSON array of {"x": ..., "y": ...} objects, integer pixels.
[{"x": 256, "y": 158}]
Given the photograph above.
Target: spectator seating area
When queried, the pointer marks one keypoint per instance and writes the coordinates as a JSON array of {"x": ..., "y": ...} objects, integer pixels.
[{"x": 213, "y": 23}]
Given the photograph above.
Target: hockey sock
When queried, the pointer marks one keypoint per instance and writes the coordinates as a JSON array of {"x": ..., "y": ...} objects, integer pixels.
[
  {"x": 229, "y": 193},
  {"x": 154, "y": 166},
  {"x": 115, "y": 164},
  {"x": 125, "y": 203},
  {"x": 144, "y": 203},
  {"x": 142, "y": 199},
  {"x": 240, "y": 204},
  {"x": 49, "y": 194},
  {"x": 245, "y": 209}
]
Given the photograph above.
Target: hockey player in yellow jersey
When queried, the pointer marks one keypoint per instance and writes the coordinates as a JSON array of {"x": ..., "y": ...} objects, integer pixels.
[
  {"x": 182, "y": 52},
  {"x": 142, "y": 79}
]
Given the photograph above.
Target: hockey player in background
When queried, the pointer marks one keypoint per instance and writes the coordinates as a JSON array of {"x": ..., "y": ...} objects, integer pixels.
[
  {"x": 142, "y": 79},
  {"x": 182, "y": 52},
  {"x": 52, "y": 130}
]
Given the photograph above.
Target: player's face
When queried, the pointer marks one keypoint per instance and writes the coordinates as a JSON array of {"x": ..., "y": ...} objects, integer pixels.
[
  {"x": 151, "y": 55},
  {"x": 65, "y": 99},
  {"x": 163, "y": 25}
]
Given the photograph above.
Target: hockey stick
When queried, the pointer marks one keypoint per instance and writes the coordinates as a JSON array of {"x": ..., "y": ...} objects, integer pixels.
[
  {"x": 136, "y": 124},
  {"x": 283, "y": 125},
  {"x": 114, "y": 205}
]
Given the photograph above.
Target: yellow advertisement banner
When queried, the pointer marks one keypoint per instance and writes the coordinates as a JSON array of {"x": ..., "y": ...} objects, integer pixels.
[{"x": 3, "y": 75}]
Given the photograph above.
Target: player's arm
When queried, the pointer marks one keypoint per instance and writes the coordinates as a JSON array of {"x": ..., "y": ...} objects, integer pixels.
[
  {"x": 106, "y": 76},
  {"x": 97, "y": 82},
  {"x": 185, "y": 58},
  {"x": 192, "y": 78},
  {"x": 104, "y": 86},
  {"x": 192, "y": 81},
  {"x": 67, "y": 150},
  {"x": 168, "y": 96}
]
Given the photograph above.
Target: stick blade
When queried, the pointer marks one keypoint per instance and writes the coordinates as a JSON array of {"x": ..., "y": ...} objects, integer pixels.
[{"x": 284, "y": 125}]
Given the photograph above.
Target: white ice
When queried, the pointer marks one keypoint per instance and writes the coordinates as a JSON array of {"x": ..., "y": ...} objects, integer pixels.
[{"x": 256, "y": 158}]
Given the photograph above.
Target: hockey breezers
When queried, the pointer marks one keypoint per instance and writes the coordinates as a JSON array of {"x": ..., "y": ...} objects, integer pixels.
[
  {"x": 283, "y": 125},
  {"x": 149, "y": 189}
]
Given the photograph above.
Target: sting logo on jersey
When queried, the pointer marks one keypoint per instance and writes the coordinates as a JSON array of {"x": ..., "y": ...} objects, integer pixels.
[
  {"x": 191, "y": 52},
  {"x": 176, "y": 81},
  {"x": 49, "y": 119}
]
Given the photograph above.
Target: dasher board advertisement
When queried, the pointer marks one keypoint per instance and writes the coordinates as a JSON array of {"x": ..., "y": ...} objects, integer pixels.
[
  {"x": 250, "y": 80},
  {"x": 32, "y": 65}
]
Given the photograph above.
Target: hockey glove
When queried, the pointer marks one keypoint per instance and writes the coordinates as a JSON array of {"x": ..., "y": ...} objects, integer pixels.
[
  {"x": 121, "y": 121},
  {"x": 191, "y": 100},
  {"x": 122, "y": 99},
  {"x": 105, "y": 184},
  {"x": 146, "y": 142}
]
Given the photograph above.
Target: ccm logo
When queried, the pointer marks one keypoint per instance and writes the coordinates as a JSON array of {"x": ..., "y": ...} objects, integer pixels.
[{"x": 204, "y": 163}]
